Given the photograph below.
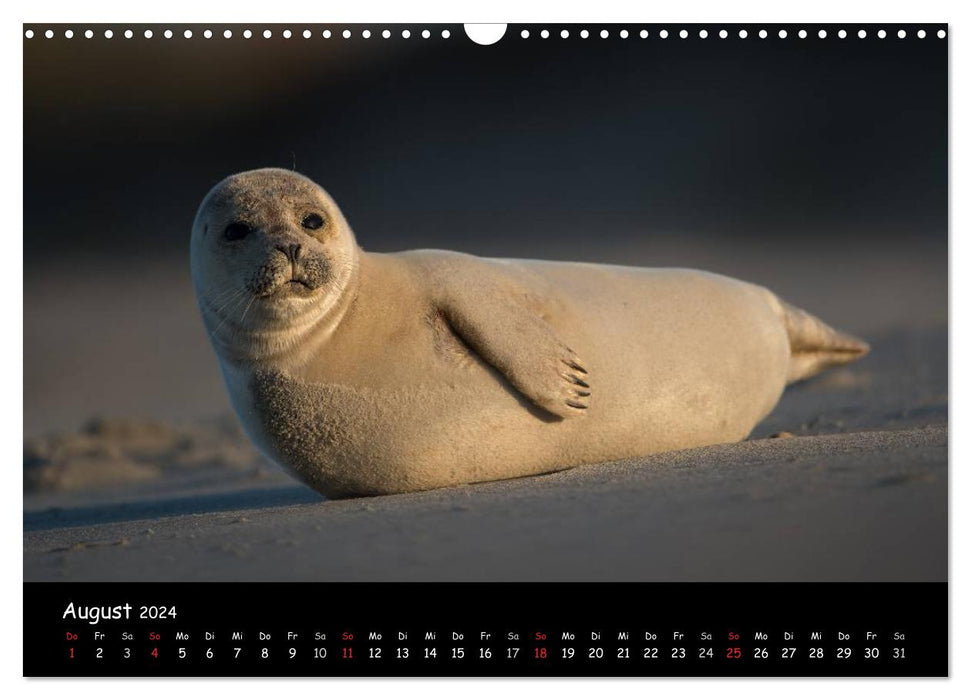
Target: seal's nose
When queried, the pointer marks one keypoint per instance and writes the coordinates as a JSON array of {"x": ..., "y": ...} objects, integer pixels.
[{"x": 292, "y": 252}]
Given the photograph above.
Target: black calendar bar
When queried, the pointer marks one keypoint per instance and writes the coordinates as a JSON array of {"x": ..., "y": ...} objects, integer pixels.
[{"x": 495, "y": 629}]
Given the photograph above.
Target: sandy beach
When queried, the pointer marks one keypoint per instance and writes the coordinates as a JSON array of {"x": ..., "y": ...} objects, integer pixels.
[{"x": 854, "y": 488}]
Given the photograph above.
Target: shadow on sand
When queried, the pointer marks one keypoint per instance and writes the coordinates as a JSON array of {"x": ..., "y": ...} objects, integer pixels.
[{"x": 51, "y": 518}]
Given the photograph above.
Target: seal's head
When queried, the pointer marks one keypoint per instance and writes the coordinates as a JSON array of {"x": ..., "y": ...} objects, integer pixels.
[{"x": 271, "y": 254}]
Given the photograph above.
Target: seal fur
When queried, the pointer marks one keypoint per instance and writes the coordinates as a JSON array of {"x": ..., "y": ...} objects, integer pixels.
[{"x": 367, "y": 373}]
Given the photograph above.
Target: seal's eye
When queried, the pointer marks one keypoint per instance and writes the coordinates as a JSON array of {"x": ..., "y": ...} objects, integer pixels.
[
  {"x": 312, "y": 221},
  {"x": 237, "y": 231}
]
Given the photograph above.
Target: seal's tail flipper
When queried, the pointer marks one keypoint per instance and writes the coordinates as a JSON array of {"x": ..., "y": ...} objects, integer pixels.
[{"x": 815, "y": 346}]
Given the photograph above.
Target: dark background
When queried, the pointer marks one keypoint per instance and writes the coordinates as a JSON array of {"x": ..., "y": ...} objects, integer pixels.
[{"x": 816, "y": 167}]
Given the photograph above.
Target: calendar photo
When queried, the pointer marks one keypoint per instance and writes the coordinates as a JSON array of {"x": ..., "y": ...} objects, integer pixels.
[{"x": 417, "y": 311}]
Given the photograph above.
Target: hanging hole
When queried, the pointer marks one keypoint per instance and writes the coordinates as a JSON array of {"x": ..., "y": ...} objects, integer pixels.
[{"x": 486, "y": 34}]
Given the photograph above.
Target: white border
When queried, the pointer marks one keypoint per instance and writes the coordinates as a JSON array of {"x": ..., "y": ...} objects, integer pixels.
[{"x": 416, "y": 11}]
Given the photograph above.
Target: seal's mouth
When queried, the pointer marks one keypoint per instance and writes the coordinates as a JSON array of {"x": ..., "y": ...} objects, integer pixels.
[{"x": 294, "y": 286}]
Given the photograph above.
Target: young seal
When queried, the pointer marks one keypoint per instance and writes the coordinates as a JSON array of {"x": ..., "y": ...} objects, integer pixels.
[{"x": 367, "y": 373}]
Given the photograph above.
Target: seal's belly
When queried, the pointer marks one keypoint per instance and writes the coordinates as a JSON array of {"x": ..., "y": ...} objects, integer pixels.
[{"x": 663, "y": 377}]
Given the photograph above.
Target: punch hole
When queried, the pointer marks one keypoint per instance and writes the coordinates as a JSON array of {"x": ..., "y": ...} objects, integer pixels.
[
  {"x": 723, "y": 34},
  {"x": 683, "y": 34},
  {"x": 227, "y": 34},
  {"x": 822, "y": 34},
  {"x": 783, "y": 34},
  {"x": 803, "y": 34},
  {"x": 49, "y": 33},
  {"x": 446, "y": 34},
  {"x": 842, "y": 34},
  {"x": 941, "y": 34},
  {"x": 584, "y": 34},
  {"x": 307, "y": 34},
  {"x": 386, "y": 34},
  {"x": 287, "y": 34},
  {"x": 366, "y": 33},
  {"x": 88, "y": 34},
  {"x": 703, "y": 34},
  {"x": 604, "y": 33},
  {"x": 861, "y": 33},
  {"x": 247, "y": 34},
  {"x": 267, "y": 34},
  {"x": 346, "y": 34},
  {"x": 564, "y": 34},
  {"x": 742, "y": 34},
  {"x": 187, "y": 33},
  {"x": 545, "y": 34},
  {"x": 488, "y": 34},
  {"x": 763, "y": 34},
  {"x": 664, "y": 34},
  {"x": 643, "y": 34},
  {"x": 29, "y": 34},
  {"x": 524, "y": 34},
  {"x": 69, "y": 34},
  {"x": 168, "y": 34},
  {"x": 882, "y": 34},
  {"x": 425, "y": 34},
  {"x": 405, "y": 34},
  {"x": 901, "y": 34},
  {"x": 624, "y": 34},
  {"x": 921, "y": 34}
]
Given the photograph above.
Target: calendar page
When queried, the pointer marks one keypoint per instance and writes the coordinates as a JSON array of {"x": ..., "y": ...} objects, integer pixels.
[{"x": 485, "y": 350}]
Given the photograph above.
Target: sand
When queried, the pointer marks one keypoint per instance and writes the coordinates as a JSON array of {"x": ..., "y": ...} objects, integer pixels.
[{"x": 854, "y": 489}]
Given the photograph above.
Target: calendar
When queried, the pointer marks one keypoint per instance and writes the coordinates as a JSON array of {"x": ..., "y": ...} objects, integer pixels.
[
  {"x": 730, "y": 630},
  {"x": 514, "y": 350}
]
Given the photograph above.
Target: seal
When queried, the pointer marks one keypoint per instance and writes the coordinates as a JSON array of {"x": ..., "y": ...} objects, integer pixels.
[{"x": 367, "y": 373}]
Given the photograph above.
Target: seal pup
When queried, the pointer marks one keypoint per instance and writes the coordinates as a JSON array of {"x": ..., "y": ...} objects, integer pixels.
[{"x": 367, "y": 373}]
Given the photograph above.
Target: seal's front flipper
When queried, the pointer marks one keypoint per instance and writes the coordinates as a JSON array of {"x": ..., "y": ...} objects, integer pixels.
[
  {"x": 815, "y": 346},
  {"x": 523, "y": 347}
]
